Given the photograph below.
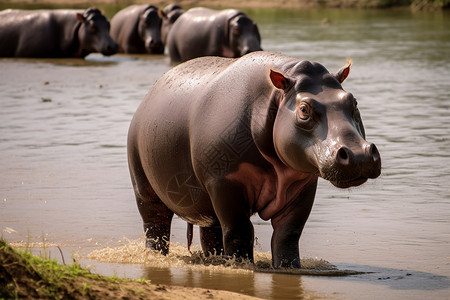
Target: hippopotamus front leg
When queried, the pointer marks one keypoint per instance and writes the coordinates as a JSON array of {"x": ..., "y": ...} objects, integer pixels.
[
  {"x": 288, "y": 226},
  {"x": 232, "y": 211}
]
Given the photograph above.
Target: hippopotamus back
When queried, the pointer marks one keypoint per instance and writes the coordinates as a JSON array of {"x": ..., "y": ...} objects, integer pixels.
[{"x": 207, "y": 32}]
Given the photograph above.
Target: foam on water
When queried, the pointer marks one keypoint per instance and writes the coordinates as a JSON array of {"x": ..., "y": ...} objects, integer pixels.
[{"x": 134, "y": 252}]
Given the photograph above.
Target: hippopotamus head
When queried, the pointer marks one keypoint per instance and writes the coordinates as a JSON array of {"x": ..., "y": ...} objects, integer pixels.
[
  {"x": 93, "y": 34},
  {"x": 318, "y": 127},
  {"x": 149, "y": 29},
  {"x": 169, "y": 15},
  {"x": 244, "y": 35}
]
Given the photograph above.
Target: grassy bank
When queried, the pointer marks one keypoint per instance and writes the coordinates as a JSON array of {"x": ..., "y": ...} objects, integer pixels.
[
  {"x": 24, "y": 276},
  {"x": 301, "y": 4}
]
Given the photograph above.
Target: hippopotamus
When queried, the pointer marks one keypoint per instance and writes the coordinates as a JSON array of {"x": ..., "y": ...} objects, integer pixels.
[
  {"x": 207, "y": 32},
  {"x": 217, "y": 140},
  {"x": 169, "y": 15},
  {"x": 137, "y": 29},
  {"x": 54, "y": 33}
]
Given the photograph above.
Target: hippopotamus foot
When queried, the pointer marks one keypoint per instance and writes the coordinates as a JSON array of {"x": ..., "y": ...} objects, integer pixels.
[
  {"x": 157, "y": 237},
  {"x": 211, "y": 240},
  {"x": 157, "y": 219},
  {"x": 240, "y": 244},
  {"x": 285, "y": 249},
  {"x": 237, "y": 229},
  {"x": 288, "y": 226}
]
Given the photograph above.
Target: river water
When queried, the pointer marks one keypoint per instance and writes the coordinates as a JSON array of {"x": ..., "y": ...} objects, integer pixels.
[{"x": 64, "y": 177}]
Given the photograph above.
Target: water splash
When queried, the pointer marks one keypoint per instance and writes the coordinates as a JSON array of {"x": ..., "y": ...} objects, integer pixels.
[{"x": 134, "y": 252}]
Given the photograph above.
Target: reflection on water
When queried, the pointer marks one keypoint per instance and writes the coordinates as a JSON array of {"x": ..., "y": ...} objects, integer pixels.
[
  {"x": 258, "y": 285},
  {"x": 64, "y": 174}
]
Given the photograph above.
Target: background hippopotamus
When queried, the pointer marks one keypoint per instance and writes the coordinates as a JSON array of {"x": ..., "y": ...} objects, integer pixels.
[
  {"x": 217, "y": 140},
  {"x": 169, "y": 15},
  {"x": 137, "y": 29},
  {"x": 54, "y": 33},
  {"x": 203, "y": 32}
]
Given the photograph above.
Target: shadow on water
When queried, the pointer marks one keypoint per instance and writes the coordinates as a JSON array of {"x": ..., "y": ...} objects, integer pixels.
[
  {"x": 117, "y": 58},
  {"x": 397, "y": 279},
  {"x": 89, "y": 61}
]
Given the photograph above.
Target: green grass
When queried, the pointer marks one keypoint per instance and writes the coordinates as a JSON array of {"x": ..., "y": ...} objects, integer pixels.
[{"x": 23, "y": 275}]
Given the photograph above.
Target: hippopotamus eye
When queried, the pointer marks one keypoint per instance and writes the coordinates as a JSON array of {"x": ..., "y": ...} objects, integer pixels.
[
  {"x": 356, "y": 114},
  {"x": 304, "y": 111}
]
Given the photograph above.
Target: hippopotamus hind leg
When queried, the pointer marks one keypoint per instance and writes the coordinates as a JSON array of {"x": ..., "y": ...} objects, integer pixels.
[
  {"x": 156, "y": 216},
  {"x": 211, "y": 240},
  {"x": 157, "y": 220}
]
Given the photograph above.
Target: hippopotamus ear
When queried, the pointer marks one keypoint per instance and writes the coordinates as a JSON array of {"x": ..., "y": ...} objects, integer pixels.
[
  {"x": 279, "y": 80},
  {"x": 343, "y": 72},
  {"x": 80, "y": 17}
]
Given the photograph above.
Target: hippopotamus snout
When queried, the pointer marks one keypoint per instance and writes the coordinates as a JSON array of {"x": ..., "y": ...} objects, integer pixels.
[
  {"x": 110, "y": 49},
  {"x": 345, "y": 157},
  {"x": 352, "y": 167},
  {"x": 247, "y": 50},
  {"x": 154, "y": 46}
]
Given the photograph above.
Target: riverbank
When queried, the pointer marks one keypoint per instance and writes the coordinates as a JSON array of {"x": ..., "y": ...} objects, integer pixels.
[
  {"x": 25, "y": 276},
  {"x": 298, "y": 4}
]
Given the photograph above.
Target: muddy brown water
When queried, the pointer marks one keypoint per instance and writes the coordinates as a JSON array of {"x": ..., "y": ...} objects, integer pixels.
[{"x": 64, "y": 177}]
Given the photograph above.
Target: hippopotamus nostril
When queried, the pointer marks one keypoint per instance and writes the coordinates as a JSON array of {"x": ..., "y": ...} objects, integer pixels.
[
  {"x": 373, "y": 151},
  {"x": 245, "y": 50},
  {"x": 154, "y": 46},
  {"x": 343, "y": 156},
  {"x": 110, "y": 49}
]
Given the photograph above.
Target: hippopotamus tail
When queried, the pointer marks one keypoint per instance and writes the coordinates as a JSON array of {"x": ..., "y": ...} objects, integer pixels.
[{"x": 190, "y": 235}]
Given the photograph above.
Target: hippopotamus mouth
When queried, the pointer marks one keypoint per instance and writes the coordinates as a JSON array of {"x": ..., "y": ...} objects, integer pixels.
[
  {"x": 155, "y": 48},
  {"x": 343, "y": 184},
  {"x": 110, "y": 49}
]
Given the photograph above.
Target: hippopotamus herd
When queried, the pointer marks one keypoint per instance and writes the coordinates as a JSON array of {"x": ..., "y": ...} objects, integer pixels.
[
  {"x": 230, "y": 132},
  {"x": 134, "y": 29}
]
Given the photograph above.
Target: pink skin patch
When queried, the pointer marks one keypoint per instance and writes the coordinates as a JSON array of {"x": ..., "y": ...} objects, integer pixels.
[
  {"x": 227, "y": 52},
  {"x": 269, "y": 191}
]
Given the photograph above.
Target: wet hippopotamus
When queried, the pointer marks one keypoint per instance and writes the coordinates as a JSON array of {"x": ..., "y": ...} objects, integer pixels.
[
  {"x": 137, "y": 29},
  {"x": 169, "y": 15},
  {"x": 54, "y": 33},
  {"x": 204, "y": 32},
  {"x": 217, "y": 140}
]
